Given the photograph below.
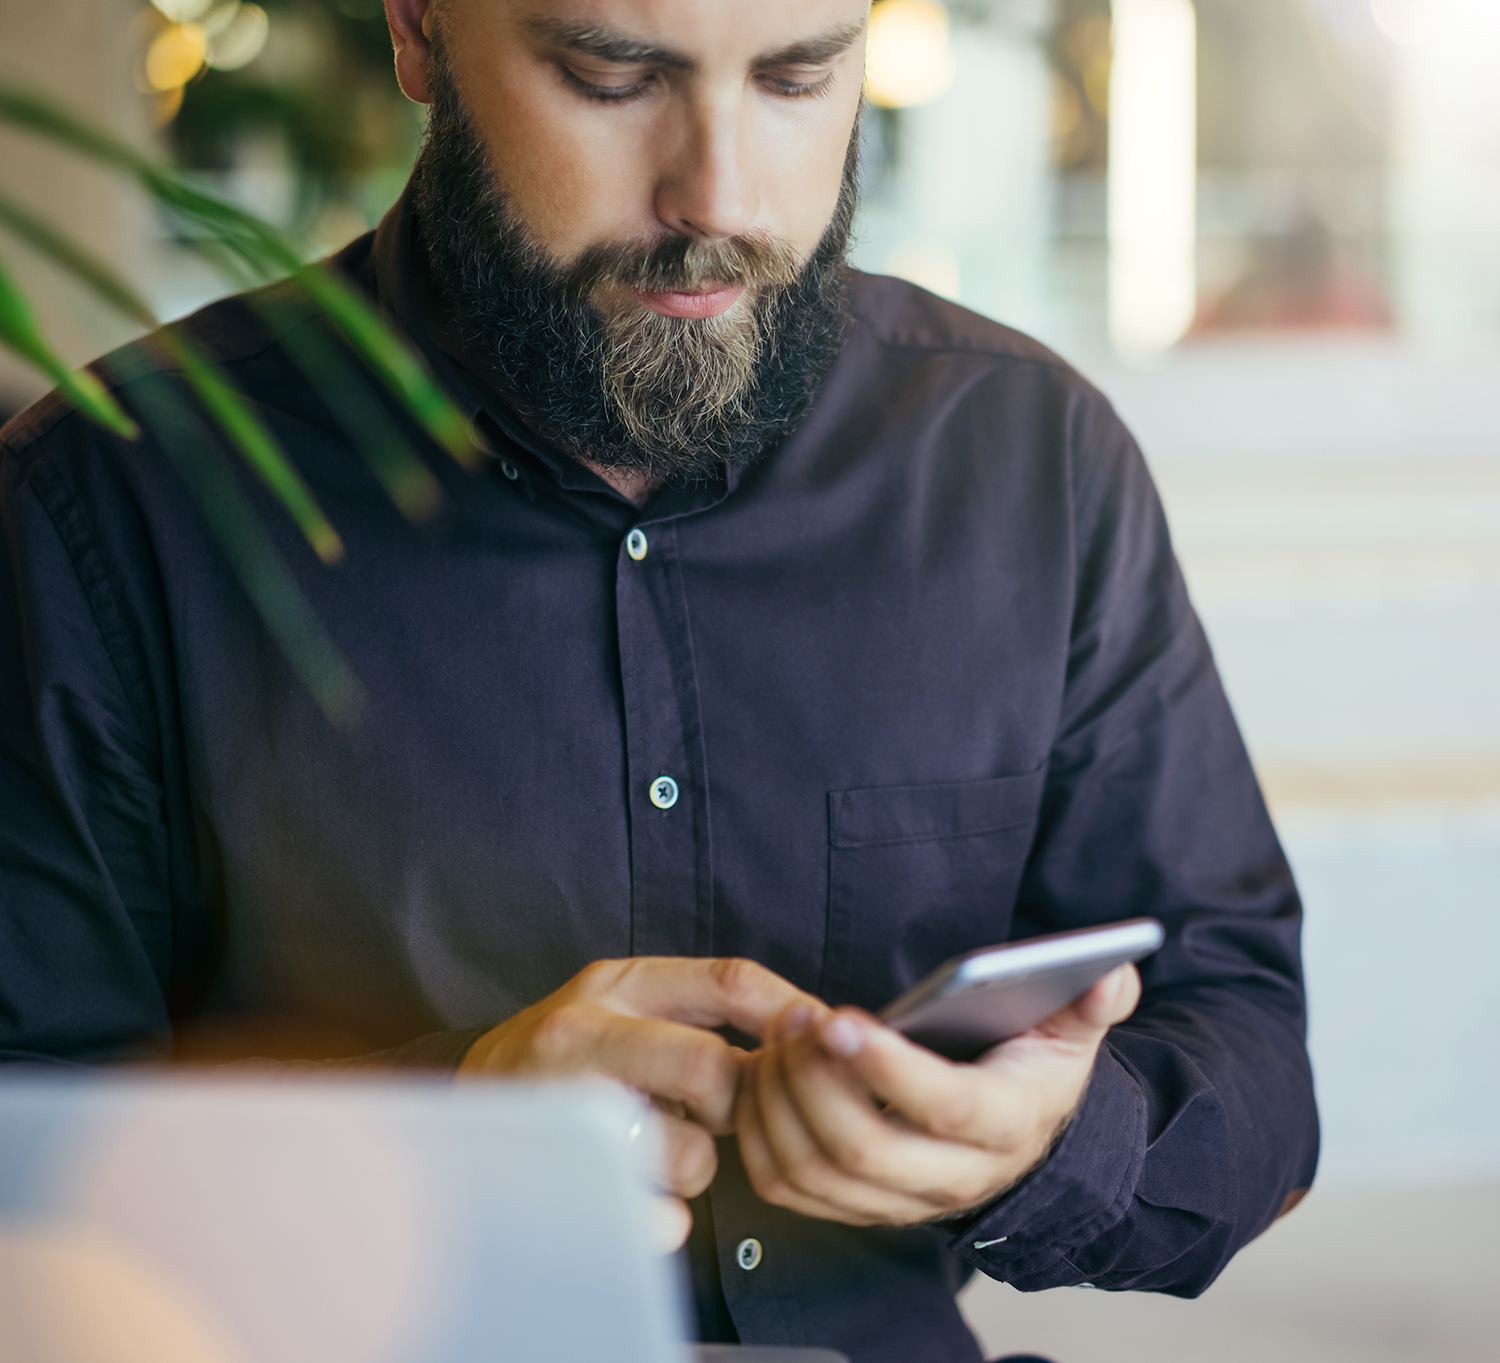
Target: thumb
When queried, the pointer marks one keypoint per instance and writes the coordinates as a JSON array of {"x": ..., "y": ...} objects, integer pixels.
[{"x": 1110, "y": 1000}]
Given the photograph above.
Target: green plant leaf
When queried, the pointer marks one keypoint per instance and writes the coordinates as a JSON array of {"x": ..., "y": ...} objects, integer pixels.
[
  {"x": 269, "y": 253},
  {"x": 356, "y": 405},
  {"x": 245, "y": 431},
  {"x": 395, "y": 362},
  {"x": 19, "y": 331},
  {"x": 409, "y": 481},
  {"x": 273, "y": 589},
  {"x": 230, "y": 237},
  {"x": 91, "y": 271},
  {"x": 255, "y": 442}
]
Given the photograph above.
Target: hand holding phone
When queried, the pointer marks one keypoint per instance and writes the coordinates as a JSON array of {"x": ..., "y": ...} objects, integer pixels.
[
  {"x": 972, "y": 1003},
  {"x": 842, "y": 1118}
]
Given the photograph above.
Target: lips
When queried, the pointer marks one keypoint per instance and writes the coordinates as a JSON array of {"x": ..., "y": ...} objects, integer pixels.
[{"x": 710, "y": 302}]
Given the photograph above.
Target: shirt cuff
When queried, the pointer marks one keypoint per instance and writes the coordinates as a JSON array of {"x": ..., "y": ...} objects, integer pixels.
[{"x": 1082, "y": 1190}]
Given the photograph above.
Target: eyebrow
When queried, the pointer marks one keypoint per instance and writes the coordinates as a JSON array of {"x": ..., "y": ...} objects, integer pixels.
[
  {"x": 609, "y": 45},
  {"x": 815, "y": 51}
]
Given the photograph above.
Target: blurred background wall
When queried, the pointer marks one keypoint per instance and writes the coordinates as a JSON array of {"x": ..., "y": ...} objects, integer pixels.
[
  {"x": 1319, "y": 180},
  {"x": 74, "y": 48},
  {"x": 1270, "y": 231}
]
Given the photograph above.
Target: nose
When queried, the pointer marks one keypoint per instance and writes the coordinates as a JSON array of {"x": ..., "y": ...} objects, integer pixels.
[{"x": 707, "y": 188}]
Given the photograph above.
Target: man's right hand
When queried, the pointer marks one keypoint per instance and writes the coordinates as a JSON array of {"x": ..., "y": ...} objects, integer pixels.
[{"x": 645, "y": 1022}]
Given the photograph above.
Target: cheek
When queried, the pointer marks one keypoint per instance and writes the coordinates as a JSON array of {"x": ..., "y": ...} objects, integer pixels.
[
  {"x": 569, "y": 179},
  {"x": 801, "y": 173},
  {"x": 568, "y": 189}
]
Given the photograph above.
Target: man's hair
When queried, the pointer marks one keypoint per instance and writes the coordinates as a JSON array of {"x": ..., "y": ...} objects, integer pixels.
[{"x": 623, "y": 387}]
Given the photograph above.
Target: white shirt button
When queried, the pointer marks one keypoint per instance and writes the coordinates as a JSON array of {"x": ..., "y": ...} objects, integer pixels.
[
  {"x": 747, "y": 1253},
  {"x": 635, "y": 545},
  {"x": 664, "y": 792},
  {"x": 509, "y": 470}
]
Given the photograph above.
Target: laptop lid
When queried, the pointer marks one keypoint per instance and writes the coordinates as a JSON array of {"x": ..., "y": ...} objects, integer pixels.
[{"x": 156, "y": 1220}]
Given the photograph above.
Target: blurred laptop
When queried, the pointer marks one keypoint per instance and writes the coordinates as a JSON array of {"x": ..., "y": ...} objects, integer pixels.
[{"x": 154, "y": 1220}]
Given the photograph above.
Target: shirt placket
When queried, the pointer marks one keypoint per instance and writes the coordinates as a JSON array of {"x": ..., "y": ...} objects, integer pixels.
[{"x": 670, "y": 853}]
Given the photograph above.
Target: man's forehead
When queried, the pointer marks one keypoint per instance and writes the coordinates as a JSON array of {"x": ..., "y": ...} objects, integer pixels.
[{"x": 692, "y": 33}]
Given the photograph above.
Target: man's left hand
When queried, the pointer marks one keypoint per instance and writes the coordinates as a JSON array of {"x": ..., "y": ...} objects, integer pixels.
[{"x": 844, "y": 1119}]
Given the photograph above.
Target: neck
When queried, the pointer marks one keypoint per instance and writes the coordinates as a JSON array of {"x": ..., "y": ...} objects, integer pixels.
[{"x": 637, "y": 488}]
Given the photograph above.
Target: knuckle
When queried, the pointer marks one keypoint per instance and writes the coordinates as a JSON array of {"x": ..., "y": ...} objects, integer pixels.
[
  {"x": 599, "y": 977},
  {"x": 805, "y": 1173},
  {"x": 773, "y": 1189},
  {"x": 735, "y": 976},
  {"x": 854, "y": 1157},
  {"x": 1008, "y": 1138},
  {"x": 561, "y": 1034},
  {"x": 794, "y": 1188},
  {"x": 965, "y": 1193},
  {"x": 953, "y": 1112},
  {"x": 765, "y": 1177}
]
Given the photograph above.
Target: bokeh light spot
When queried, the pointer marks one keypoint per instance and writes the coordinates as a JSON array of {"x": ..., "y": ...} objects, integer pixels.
[
  {"x": 175, "y": 56},
  {"x": 908, "y": 59},
  {"x": 240, "y": 41},
  {"x": 183, "y": 11}
]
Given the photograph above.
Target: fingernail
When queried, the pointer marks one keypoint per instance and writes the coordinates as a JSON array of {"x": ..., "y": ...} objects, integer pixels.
[
  {"x": 795, "y": 1020},
  {"x": 842, "y": 1037}
]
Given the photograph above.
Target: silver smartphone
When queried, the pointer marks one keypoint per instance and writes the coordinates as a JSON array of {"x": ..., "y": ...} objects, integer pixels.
[{"x": 974, "y": 1002}]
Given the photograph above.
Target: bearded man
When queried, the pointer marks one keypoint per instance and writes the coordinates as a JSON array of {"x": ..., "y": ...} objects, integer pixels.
[{"x": 806, "y": 630}]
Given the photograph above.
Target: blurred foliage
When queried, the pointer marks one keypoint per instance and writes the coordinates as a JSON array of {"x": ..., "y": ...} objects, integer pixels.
[
  {"x": 363, "y": 369},
  {"x": 1079, "y": 48},
  {"x": 325, "y": 87}
]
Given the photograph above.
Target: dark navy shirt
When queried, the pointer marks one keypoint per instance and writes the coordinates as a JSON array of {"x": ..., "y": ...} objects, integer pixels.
[{"x": 925, "y": 678}]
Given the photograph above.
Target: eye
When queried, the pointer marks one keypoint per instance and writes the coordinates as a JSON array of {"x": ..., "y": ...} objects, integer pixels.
[
  {"x": 604, "y": 91},
  {"x": 787, "y": 88}
]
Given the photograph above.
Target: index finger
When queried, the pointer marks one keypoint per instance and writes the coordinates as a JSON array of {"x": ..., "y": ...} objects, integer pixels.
[
  {"x": 685, "y": 1065},
  {"x": 708, "y": 991}
]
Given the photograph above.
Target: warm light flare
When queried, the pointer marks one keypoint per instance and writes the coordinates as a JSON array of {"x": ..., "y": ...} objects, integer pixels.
[
  {"x": 175, "y": 56},
  {"x": 72, "y": 1293},
  {"x": 223, "y": 34},
  {"x": 908, "y": 58}
]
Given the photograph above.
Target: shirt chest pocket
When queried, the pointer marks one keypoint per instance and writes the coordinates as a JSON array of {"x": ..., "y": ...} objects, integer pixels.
[{"x": 917, "y": 874}]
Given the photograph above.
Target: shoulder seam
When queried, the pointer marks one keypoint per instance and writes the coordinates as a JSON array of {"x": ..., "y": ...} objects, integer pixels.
[
  {"x": 1053, "y": 363},
  {"x": 956, "y": 347},
  {"x": 895, "y": 339}
]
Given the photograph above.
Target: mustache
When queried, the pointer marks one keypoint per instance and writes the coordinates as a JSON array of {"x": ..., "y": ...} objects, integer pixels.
[{"x": 756, "y": 261}]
